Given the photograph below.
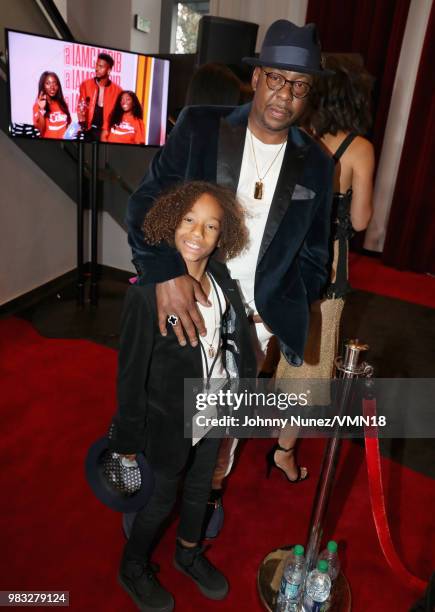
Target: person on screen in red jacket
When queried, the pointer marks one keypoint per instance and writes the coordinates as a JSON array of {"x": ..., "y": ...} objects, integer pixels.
[
  {"x": 97, "y": 100},
  {"x": 51, "y": 115},
  {"x": 126, "y": 121}
]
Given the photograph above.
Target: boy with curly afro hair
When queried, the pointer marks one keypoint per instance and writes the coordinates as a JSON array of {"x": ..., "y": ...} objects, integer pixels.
[
  {"x": 200, "y": 220},
  {"x": 165, "y": 216}
]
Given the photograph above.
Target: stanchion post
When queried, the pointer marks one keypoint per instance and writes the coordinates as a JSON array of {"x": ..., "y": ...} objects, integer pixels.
[
  {"x": 80, "y": 227},
  {"x": 348, "y": 369},
  {"x": 94, "y": 226}
]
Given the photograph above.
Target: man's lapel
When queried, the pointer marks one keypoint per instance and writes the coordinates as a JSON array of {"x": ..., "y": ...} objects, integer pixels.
[
  {"x": 230, "y": 153},
  {"x": 291, "y": 170}
]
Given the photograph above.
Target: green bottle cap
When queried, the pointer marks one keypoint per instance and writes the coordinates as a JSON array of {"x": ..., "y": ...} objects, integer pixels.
[
  {"x": 322, "y": 566},
  {"x": 298, "y": 550},
  {"x": 332, "y": 546}
]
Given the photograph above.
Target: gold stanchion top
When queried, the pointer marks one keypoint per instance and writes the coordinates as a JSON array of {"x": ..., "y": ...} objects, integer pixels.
[{"x": 356, "y": 345}]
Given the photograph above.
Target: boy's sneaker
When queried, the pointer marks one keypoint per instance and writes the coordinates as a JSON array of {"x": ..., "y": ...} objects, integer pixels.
[
  {"x": 143, "y": 587},
  {"x": 192, "y": 562}
]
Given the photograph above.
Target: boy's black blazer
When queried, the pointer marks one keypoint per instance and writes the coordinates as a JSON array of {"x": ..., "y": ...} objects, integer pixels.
[{"x": 152, "y": 369}]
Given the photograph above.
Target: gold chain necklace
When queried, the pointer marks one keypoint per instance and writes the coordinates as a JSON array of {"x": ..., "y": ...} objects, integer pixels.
[{"x": 258, "y": 191}]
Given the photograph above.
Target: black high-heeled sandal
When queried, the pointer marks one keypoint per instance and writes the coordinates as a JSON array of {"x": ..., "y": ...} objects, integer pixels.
[{"x": 270, "y": 463}]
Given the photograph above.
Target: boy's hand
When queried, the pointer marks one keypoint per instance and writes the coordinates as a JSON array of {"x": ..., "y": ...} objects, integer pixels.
[
  {"x": 178, "y": 296},
  {"x": 129, "y": 457}
]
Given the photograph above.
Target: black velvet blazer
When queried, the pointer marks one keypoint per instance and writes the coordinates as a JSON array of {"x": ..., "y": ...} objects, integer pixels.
[
  {"x": 207, "y": 144},
  {"x": 152, "y": 369}
]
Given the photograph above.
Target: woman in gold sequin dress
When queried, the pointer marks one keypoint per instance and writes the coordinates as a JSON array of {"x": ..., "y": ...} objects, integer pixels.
[{"x": 340, "y": 118}]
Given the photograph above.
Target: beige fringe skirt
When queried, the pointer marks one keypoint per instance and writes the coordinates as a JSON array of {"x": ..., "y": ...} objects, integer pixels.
[{"x": 320, "y": 352}]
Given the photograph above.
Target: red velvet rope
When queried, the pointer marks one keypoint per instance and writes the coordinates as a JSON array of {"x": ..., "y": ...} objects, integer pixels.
[{"x": 377, "y": 499}]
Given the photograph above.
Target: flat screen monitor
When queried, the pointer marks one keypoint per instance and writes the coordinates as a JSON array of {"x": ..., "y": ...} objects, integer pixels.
[{"x": 62, "y": 90}]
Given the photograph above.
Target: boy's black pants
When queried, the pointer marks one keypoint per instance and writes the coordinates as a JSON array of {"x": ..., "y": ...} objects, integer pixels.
[{"x": 196, "y": 490}]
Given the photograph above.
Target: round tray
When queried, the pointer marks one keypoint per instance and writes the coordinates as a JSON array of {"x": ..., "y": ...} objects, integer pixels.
[{"x": 269, "y": 578}]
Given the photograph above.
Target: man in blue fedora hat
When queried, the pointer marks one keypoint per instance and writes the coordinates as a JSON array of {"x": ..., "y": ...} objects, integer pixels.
[{"x": 284, "y": 181}]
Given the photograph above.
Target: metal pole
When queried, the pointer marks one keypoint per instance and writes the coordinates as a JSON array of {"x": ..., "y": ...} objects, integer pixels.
[
  {"x": 348, "y": 368},
  {"x": 80, "y": 228},
  {"x": 94, "y": 225}
]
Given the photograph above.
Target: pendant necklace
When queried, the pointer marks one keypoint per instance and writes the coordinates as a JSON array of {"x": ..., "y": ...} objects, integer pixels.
[
  {"x": 211, "y": 349},
  {"x": 258, "y": 191}
]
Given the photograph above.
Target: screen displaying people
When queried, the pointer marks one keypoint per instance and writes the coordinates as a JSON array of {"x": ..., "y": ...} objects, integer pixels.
[{"x": 85, "y": 92}]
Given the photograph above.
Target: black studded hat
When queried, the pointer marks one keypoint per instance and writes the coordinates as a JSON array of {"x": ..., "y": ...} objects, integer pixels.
[
  {"x": 122, "y": 485},
  {"x": 291, "y": 47}
]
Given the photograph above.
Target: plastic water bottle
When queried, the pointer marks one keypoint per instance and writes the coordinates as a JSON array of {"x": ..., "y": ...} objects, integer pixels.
[
  {"x": 330, "y": 555},
  {"x": 317, "y": 588},
  {"x": 290, "y": 588}
]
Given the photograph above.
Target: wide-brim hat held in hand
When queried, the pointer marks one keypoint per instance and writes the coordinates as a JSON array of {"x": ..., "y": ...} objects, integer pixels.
[
  {"x": 122, "y": 485},
  {"x": 291, "y": 47}
]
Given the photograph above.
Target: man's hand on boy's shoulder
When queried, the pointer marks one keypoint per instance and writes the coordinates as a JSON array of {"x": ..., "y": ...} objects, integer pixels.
[{"x": 179, "y": 297}]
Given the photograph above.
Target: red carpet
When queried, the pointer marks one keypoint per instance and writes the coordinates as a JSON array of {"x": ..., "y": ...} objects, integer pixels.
[
  {"x": 369, "y": 274},
  {"x": 57, "y": 398}
]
